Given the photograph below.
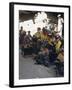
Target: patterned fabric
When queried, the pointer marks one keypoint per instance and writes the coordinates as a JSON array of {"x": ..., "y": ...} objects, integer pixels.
[
  {"x": 38, "y": 34},
  {"x": 44, "y": 37},
  {"x": 58, "y": 44},
  {"x": 27, "y": 41}
]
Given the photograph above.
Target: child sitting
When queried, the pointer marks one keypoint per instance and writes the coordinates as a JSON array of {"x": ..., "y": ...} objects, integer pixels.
[
  {"x": 60, "y": 63},
  {"x": 43, "y": 56}
]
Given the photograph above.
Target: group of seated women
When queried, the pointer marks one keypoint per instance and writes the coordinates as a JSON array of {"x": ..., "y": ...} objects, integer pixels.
[{"x": 46, "y": 48}]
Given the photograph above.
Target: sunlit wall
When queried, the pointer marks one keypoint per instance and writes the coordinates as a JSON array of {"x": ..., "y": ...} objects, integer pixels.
[{"x": 40, "y": 20}]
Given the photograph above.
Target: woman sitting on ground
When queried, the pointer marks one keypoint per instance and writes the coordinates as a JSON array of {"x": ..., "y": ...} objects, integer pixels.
[{"x": 43, "y": 57}]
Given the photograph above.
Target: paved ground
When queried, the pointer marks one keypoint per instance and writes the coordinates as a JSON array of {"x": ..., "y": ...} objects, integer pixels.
[{"x": 29, "y": 70}]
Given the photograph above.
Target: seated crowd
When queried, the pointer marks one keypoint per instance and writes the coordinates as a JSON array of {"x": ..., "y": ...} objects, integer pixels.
[{"x": 46, "y": 47}]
